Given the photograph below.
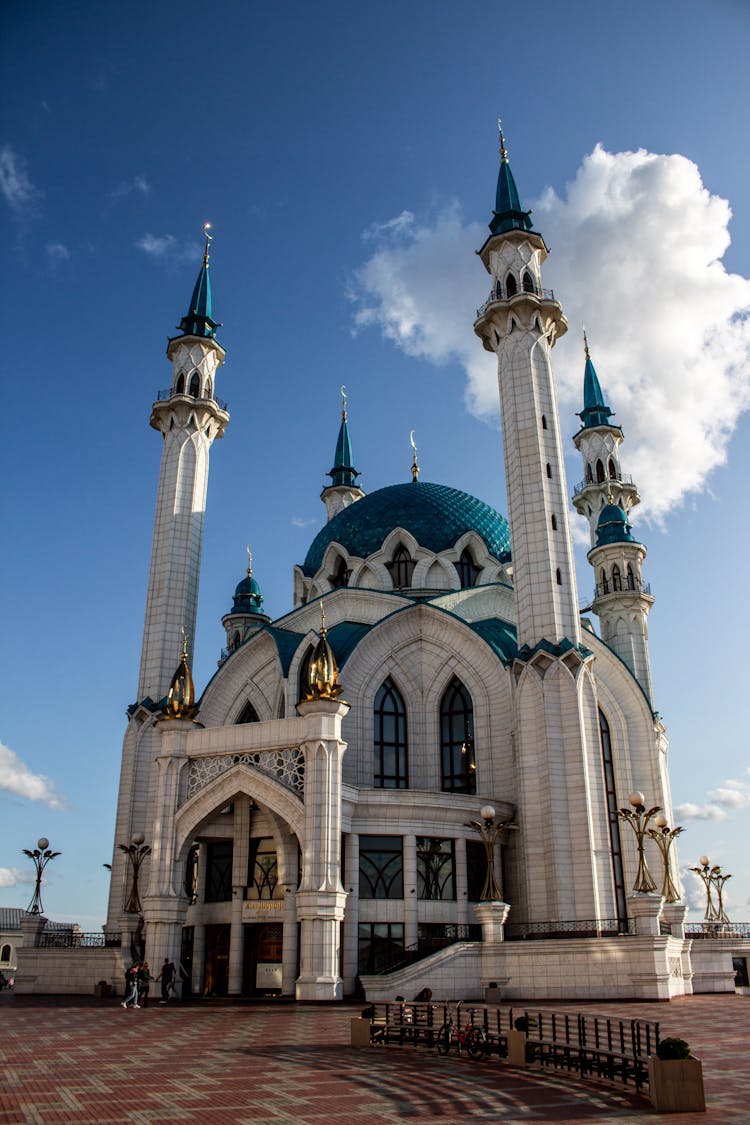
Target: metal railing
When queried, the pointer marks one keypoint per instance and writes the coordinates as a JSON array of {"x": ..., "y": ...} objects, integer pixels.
[
  {"x": 543, "y": 294},
  {"x": 624, "y": 478},
  {"x": 724, "y": 930},
  {"x": 577, "y": 928},
  {"x": 603, "y": 588},
  {"x": 167, "y": 392},
  {"x": 72, "y": 940},
  {"x": 390, "y": 961}
]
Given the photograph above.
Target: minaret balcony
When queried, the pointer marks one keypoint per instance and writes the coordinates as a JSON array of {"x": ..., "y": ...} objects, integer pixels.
[
  {"x": 623, "y": 479},
  {"x": 604, "y": 589},
  {"x": 167, "y": 393},
  {"x": 497, "y": 298}
]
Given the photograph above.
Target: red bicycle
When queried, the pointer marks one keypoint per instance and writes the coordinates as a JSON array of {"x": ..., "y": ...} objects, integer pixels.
[{"x": 470, "y": 1037}]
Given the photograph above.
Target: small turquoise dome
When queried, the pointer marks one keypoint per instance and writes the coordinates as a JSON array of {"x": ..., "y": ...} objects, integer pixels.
[
  {"x": 613, "y": 526},
  {"x": 435, "y": 514},
  {"x": 247, "y": 597}
]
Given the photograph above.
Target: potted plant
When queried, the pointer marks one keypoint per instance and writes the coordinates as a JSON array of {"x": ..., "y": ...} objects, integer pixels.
[{"x": 676, "y": 1078}]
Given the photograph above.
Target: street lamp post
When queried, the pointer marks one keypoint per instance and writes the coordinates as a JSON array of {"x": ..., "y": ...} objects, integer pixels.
[
  {"x": 638, "y": 817},
  {"x": 490, "y": 831},
  {"x": 664, "y": 837},
  {"x": 136, "y": 853},
  {"x": 40, "y": 856},
  {"x": 704, "y": 873}
]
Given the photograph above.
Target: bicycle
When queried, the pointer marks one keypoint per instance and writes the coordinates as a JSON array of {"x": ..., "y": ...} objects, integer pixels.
[{"x": 470, "y": 1037}]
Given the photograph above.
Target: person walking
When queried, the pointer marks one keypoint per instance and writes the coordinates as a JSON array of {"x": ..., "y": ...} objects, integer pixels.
[
  {"x": 144, "y": 983},
  {"x": 166, "y": 976},
  {"x": 131, "y": 987}
]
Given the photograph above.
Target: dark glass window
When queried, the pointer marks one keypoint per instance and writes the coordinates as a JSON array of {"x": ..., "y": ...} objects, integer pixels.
[
  {"x": 381, "y": 867},
  {"x": 435, "y": 868},
  {"x": 616, "y": 578},
  {"x": 5, "y": 953},
  {"x": 612, "y": 470},
  {"x": 401, "y": 568},
  {"x": 476, "y": 869},
  {"x": 600, "y": 475},
  {"x": 191, "y": 874},
  {"x": 391, "y": 750},
  {"x": 589, "y": 475},
  {"x": 340, "y": 575},
  {"x": 498, "y": 291},
  {"x": 248, "y": 714},
  {"x": 468, "y": 571},
  {"x": 195, "y": 384},
  {"x": 511, "y": 285},
  {"x": 528, "y": 282},
  {"x": 549, "y": 471},
  {"x": 544, "y": 422},
  {"x": 304, "y": 671},
  {"x": 553, "y": 522},
  {"x": 381, "y": 945},
  {"x": 558, "y": 576},
  {"x": 262, "y": 868},
  {"x": 219, "y": 871},
  {"x": 180, "y": 385},
  {"x": 458, "y": 761},
  {"x": 614, "y": 824},
  {"x": 630, "y": 578}
]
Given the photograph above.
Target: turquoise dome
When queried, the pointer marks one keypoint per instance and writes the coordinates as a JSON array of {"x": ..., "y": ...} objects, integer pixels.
[
  {"x": 436, "y": 515},
  {"x": 247, "y": 597},
  {"x": 613, "y": 527}
]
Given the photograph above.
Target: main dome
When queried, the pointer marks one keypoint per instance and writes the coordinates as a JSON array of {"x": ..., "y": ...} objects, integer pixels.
[{"x": 436, "y": 515}]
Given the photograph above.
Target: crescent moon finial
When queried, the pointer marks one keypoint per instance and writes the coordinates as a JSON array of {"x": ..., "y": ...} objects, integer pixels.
[
  {"x": 342, "y": 392},
  {"x": 249, "y": 561},
  {"x": 208, "y": 237},
  {"x": 414, "y": 465}
]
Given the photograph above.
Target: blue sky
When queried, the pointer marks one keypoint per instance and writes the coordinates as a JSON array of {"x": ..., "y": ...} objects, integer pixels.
[{"x": 346, "y": 155}]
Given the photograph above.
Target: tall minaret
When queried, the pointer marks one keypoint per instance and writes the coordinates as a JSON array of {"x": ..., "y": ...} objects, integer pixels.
[
  {"x": 343, "y": 489},
  {"x": 189, "y": 417},
  {"x": 598, "y": 441},
  {"x": 520, "y": 323}
]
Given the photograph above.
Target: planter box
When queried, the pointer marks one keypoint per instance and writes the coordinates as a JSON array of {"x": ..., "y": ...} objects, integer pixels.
[
  {"x": 676, "y": 1085},
  {"x": 360, "y": 1032},
  {"x": 516, "y": 1047}
]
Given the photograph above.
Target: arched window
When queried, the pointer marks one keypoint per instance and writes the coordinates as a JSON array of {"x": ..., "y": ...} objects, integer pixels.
[
  {"x": 618, "y": 876},
  {"x": 209, "y": 388},
  {"x": 600, "y": 474},
  {"x": 195, "y": 385},
  {"x": 401, "y": 568},
  {"x": 528, "y": 282},
  {"x": 236, "y": 640},
  {"x": 630, "y": 578},
  {"x": 553, "y": 522},
  {"x": 616, "y": 578},
  {"x": 549, "y": 470},
  {"x": 5, "y": 953},
  {"x": 558, "y": 576},
  {"x": 248, "y": 714},
  {"x": 304, "y": 672},
  {"x": 603, "y": 582},
  {"x": 511, "y": 285},
  {"x": 179, "y": 388},
  {"x": 589, "y": 475},
  {"x": 390, "y": 745},
  {"x": 468, "y": 571},
  {"x": 458, "y": 759},
  {"x": 544, "y": 421},
  {"x": 612, "y": 470},
  {"x": 498, "y": 290},
  {"x": 340, "y": 575}
]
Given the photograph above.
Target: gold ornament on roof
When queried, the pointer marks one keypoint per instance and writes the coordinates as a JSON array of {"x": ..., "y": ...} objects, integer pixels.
[
  {"x": 323, "y": 673},
  {"x": 414, "y": 465},
  {"x": 249, "y": 561},
  {"x": 585, "y": 343},
  {"x": 342, "y": 391},
  {"x": 208, "y": 237},
  {"x": 181, "y": 694},
  {"x": 503, "y": 153}
]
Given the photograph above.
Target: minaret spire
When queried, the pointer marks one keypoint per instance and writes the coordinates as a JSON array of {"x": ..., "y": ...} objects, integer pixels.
[
  {"x": 509, "y": 213},
  {"x": 343, "y": 489},
  {"x": 414, "y": 462}
]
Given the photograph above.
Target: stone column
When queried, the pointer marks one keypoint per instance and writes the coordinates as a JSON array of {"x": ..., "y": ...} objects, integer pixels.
[
  {"x": 645, "y": 909},
  {"x": 410, "y": 890},
  {"x": 321, "y": 897},
  {"x": 351, "y": 930},
  {"x": 492, "y": 916},
  {"x": 240, "y": 857},
  {"x": 673, "y": 914}
]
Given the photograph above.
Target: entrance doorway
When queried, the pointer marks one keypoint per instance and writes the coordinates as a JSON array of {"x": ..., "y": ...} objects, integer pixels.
[
  {"x": 217, "y": 961},
  {"x": 263, "y": 952}
]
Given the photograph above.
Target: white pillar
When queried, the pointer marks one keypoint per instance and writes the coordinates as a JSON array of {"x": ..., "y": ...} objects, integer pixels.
[{"x": 240, "y": 857}]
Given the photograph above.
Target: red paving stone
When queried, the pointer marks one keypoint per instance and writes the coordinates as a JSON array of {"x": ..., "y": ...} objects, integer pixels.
[{"x": 88, "y": 1062}]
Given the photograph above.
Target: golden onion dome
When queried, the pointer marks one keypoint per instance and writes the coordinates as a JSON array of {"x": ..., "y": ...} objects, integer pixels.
[
  {"x": 181, "y": 695},
  {"x": 323, "y": 673}
]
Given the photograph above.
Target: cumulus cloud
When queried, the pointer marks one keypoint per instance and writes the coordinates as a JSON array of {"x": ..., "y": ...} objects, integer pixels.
[
  {"x": 730, "y": 796},
  {"x": 57, "y": 252},
  {"x": 12, "y": 876},
  {"x": 297, "y": 521},
  {"x": 167, "y": 248},
  {"x": 637, "y": 243},
  {"x": 15, "y": 186},
  {"x": 17, "y": 778},
  {"x": 138, "y": 185}
]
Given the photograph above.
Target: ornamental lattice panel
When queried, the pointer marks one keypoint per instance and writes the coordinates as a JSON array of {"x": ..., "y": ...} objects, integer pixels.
[{"x": 285, "y": 766}]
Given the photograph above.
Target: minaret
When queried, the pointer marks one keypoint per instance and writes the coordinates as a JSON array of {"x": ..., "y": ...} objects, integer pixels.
[
  {"x": 343, "y": 489},
  {"x": 520, "y": 322},
  {"x": 598, "y": 441},
  {"x": 246, "y": 609},
  {"x": 188, "y": 417}
]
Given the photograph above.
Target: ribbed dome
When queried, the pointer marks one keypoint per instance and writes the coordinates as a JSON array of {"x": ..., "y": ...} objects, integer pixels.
[
  {"x": 613, "y": 527},
  {"x": 247, "y": 597},
  {"x": 436, "y": 515}
]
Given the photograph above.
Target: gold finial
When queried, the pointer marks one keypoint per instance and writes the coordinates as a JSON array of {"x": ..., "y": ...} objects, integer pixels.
[
  {"x": 208, "y": 237},
  {"x": 585, "y": 343},
  {"x": 181, "y": 695},
  {"x": 249, "y": 561},
  {"x": 322, "y": 619},
  {"x": 503, "y": 153},
  {"x": 342, "y": 391},
  {"x": 323, "y": 673},
  {"x": 414, "y": 465},
  {"x": 610, "y": 497}
]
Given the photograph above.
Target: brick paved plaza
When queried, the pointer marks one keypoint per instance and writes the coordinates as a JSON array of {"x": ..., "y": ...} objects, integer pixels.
[{"x": 76, "y": 1060}]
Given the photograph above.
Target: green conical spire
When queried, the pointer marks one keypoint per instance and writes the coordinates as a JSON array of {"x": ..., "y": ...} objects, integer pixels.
[
  {"x": 508, "y": 213},
  {"x": 343, "y": 471},
  {"x": 199, "y": 319},
  {"x": 595, "y": 411}
]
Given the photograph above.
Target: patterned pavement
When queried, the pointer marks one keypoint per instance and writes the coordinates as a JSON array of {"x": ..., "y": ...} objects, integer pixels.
[{"x": 84, "y": 1062}]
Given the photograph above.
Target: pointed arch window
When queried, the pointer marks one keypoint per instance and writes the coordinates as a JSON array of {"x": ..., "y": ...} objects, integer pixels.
[
  {"x": 179, "y": 388},
  {"x": 209, "y": 389},
  {"x": 544, "y": 421},
  {"x": 528, "y": 282},
  {"x": 511, "y": 285},
  {"x": 401, "y": 568},
  {"x": 618, "y": 875},
  {"x": 553, "y": 522},
  {"x": 248, "y": 714},
  {"x": 468, "y": 571},
  {"x": 589, "y": 475},
  {"x": 236, "y": 640},
  {"x": 304, "y": 673},
  {"x": 616, "y": 578},
  {"x": 498, "y": 290},
  {"x": 612, "y": 469},
  {"x": 630, "y": 578},
  {"x": 457, "y": 753},
  {"x": 390, "y": 744},
  {"x": 603, "y": 582},
  {"x": 601, "y": 476},
  {"x": 195, "y": 385},
  {"x": 340, "y": 576}
]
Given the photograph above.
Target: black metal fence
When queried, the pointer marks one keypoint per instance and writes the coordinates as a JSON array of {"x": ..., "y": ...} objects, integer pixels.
[
  {"x": 723, "y": 930},
  {"x": 70, "y": 939},
  {"x": 590, "y": 1046},
  {"x": 579, "y": 928}
]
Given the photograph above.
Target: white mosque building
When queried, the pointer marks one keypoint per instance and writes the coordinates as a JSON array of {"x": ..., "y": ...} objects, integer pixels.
[{"x": 313, "y": 817}]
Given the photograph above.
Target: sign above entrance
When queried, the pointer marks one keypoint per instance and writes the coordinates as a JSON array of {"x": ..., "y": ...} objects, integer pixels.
[{"x": 260, "y": 909}]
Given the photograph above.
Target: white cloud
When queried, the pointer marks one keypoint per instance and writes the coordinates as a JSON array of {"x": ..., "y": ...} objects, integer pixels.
[
  {"x": 297, "y": 521},
  {"x": 167, "y": 248},
  {"x": 17, "y": 778},
  {"x": 731, "y": 795},
  {"x": 57, "y": 252},
  {"x": 139, "y": 185},
  {"x": 15, "y": 186},
  {"x": 12, "y": 876},
  {"x": 691, "y": 811},
  {"x": 637, "y": 242}
]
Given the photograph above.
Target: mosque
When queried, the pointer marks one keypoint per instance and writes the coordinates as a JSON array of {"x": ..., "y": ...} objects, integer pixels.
[{"x": 412, "y": 779}]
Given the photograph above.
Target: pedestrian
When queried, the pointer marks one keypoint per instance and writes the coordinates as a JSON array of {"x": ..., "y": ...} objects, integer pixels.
[
  {"x": 144, "y": 983},
  {"x": 166, "y": 976},
  {"x": 131, "y": 987}
]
